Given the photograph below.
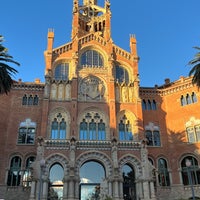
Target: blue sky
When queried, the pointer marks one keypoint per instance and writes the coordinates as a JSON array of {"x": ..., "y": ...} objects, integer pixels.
[{"x": 166, "y": 32}]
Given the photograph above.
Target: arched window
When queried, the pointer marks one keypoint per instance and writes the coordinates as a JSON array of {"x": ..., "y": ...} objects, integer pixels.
[
  {"x": 124, "y": 129},
  {"x": 92, "y": 127},
  {"x": 30, "y": 100},
  {"x": 183, "y": 102},
  {"x": 156, "y": 137},
  {"x": 154, "y": 106},
  {"x": 61, "y": 71},
  {"x": 14, "y": 173},
  {"x": 149, "y": 105},
  {"x": 153, "y": 137},
  {"x": 92, "y": 58},
  {"x": 27, "y": 132},
  {"x": 101, "y": 130},
  {"x": 188, "y": 99},
  {"x": 194, "y": 98},
  {"x": 35, "y": 100},
  {"x": 190, "y": 171},
  {"x": 163, "y": 173},
  {"x": 27, "y": 173},
  {"x": 24, "y": 100},
  {"x": 193, "y": 133},
  {"x": 121, "y": 75},
  {"x": 144, "y": 104},
  {"x": 149, "y": 137},
  {"x": 58, "y": 128},
  {"x": 91, "y": 180},
  {"x": 56, "y": 182},
  {"x": 129, "y": 187}
]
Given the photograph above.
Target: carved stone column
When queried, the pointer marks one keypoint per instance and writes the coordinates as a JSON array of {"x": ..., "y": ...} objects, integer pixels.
[
  {"x": 32, "y": 194},
  {"x": 65, "y": 188}
]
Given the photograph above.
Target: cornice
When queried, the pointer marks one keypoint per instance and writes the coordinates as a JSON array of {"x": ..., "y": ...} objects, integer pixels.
[
  {"x": 169, "y": 88},
  {"x": 28, "y": 86}
]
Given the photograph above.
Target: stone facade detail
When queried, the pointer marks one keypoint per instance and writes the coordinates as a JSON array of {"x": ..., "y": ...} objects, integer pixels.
[{"x": 91, "y": 109}]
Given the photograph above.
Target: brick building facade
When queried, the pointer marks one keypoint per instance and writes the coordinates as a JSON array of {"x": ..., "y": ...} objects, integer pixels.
[{"x": 90, "y": 131}]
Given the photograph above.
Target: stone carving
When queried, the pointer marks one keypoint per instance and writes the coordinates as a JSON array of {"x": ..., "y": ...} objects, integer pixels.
[
  {"x": 40, "y": 157},
  {"x": 103, "y": 189},
  {"x": 114, "y": 153},
  {"x": 68, "y": 91},
  {"x": 147, "y": 167},
  {"x": 92, "y": 88}
]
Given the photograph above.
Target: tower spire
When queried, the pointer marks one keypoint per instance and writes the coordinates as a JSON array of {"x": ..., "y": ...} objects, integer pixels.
[
  {"x": 89, "y": 2},
  {"x": 91, "y": 18}
]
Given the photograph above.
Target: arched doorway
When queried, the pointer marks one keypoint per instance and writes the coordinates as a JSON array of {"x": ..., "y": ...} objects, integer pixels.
[
  {"x": 129, "y": 188},
  {"x": 56, "y": 175},
  {"x": 92, "y": 174}
]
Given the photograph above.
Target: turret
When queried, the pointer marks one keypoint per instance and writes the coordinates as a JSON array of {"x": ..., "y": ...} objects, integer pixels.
[
  {"x": 133, "y": 45},
  {"x": 48, "y": 52}
]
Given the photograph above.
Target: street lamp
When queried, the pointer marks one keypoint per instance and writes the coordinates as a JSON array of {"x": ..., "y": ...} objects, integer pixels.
[
  {"x": 188, "y": 164},
  {"x": 42, "y": 165}
]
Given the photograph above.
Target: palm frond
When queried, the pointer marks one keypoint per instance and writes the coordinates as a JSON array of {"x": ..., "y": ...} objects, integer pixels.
[
  {"x": 6, "y": 71},
  {"x": 195, "y": 70}
]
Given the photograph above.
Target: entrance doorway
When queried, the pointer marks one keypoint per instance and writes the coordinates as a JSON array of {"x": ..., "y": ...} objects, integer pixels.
[
  {"x": 129, "y": 188},
  {"x": 92, "y": 173}
]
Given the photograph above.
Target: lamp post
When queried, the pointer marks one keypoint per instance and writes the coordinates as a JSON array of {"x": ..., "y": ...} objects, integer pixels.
[
  {"x": 188, "y": 164},
  {"x": 42, "y": 165}
]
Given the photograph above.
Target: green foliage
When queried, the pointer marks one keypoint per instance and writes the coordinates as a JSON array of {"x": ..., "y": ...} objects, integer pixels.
[
  {"x": 5, "y": 70},
  {"x": 108, "y": 198},
  {"x": 195, "y": 71}
]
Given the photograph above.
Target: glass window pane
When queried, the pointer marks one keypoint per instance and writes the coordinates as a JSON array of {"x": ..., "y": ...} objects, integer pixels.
[
  {"x": 92, "y": 58},
  {"x": 194, "y": 97},
  {"x": 62, "y": 71},
  {"x": 156, "y": 136},
  {"x": 14, "y": 174},
  {"x": 163, "y": 174},
  {"x": 121, "y": 75},
  {"x": 129, "y": 188},
  {"x": 88, "y": 172},
  {"x": 188, "y": 99},
  {"x": 56, "y": 182},
  {"x": 149, "y": 138},
  {"x": 197, "y": 130},
  {"x": 191, "y": 134},
  {"x": 183, "y": 102},
  {"x": 62, "y": 129}
]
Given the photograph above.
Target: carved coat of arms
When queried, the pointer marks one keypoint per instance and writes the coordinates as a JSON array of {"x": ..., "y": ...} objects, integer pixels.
[{"x": 92, "y": 88}]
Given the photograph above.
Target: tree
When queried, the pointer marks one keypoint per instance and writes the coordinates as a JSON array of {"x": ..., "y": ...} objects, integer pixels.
[
  {"x": 6, "y": 71},
  {"x": 195, "y": 71}
]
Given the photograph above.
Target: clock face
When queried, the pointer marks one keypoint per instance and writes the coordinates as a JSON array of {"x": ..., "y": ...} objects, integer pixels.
[{"x": 92, "y": 88}]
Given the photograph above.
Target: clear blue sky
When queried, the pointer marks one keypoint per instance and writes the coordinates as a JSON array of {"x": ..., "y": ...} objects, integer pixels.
[{"x": 166, "y": 32}]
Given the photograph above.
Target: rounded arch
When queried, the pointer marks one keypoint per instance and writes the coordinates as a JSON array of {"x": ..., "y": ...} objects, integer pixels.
[
  {"x": 12, "y": 155},
  {"x": 56, "y": 158},
  {"x": 185, "y": 155},
  {"x": 122, "y": 75},
  {"x": 161, "y": 156},
  {"x": 27, "y": 156},
  {"x": 133, "y": 162},
  {"x": 95, "y": 48},
  {"x": 95, "y": 156},
  {"x": 151, "y": 159},
  {"x": 126, "y": 66},
  {"x": 59, "y": 61}
]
